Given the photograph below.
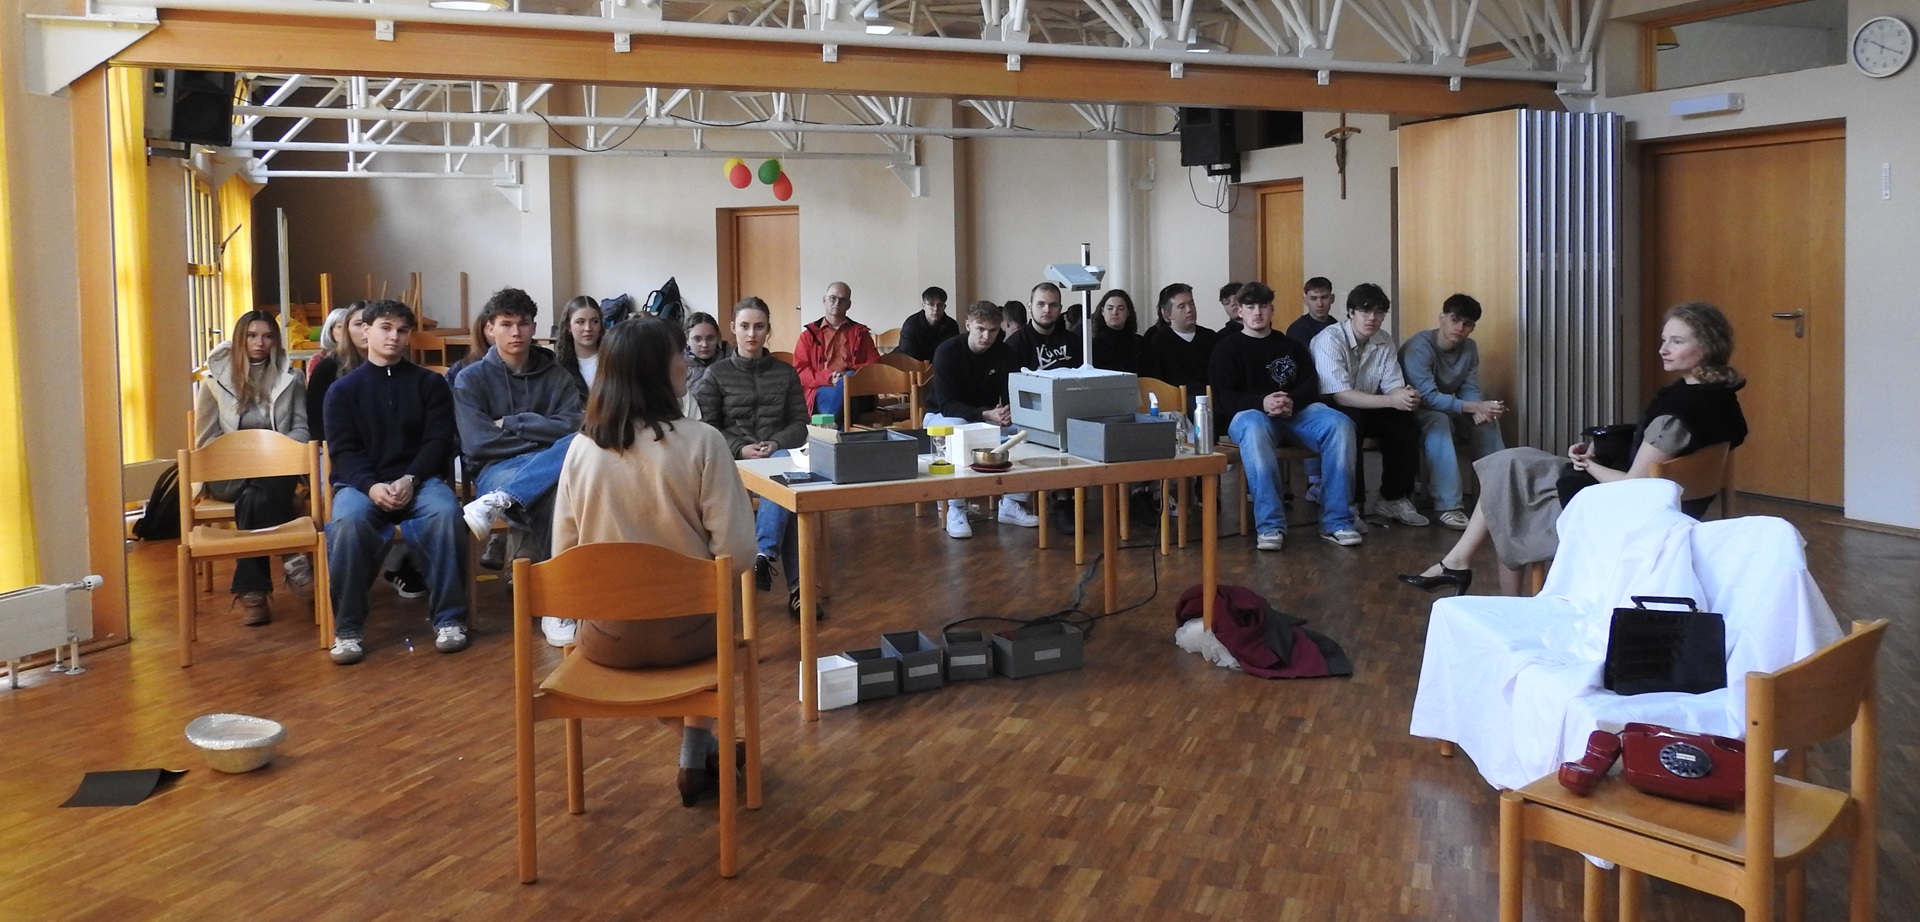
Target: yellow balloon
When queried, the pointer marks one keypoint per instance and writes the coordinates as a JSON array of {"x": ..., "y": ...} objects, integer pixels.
[{"x": 727, "y": 168}]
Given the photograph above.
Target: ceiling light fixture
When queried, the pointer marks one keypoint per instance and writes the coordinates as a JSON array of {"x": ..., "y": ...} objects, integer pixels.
[
  {"x": 879, "y": 23},
  {"x": 1198, "y": 45},
  {"x": 470, "y": 6},
  {"x": 1665, "y": 39}
]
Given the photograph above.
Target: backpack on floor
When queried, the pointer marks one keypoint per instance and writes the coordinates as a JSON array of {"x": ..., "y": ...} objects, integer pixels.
[{"x": 161, "y": 521}]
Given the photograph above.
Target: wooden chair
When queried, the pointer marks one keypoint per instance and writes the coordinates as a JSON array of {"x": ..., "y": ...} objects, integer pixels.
[
  {"x": 888, "y": 341},
  {"x": 880, "y": 380},
  {"x": 1734, "y": 855},
  {"x": 428, "y": 348},
  {"x": 241, "y": 455},
  {"x": 632, "y": 582},
  {"x": 786, "y": 357},
  {"x": 1703, "y": 474}
]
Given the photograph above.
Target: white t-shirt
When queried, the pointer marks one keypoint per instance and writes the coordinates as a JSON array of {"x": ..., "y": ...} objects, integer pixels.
[{"x": 588, "y": 365}]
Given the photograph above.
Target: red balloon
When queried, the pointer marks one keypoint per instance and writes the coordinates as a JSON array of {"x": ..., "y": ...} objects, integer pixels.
[
  {"x": 782, "y": 187},
  {"x": 740, "y": 176}
]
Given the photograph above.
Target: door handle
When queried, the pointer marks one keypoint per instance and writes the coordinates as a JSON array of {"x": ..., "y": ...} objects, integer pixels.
[{"x": 1799, "y": 319}]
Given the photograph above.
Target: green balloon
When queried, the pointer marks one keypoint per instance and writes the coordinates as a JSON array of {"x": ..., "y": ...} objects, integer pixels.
[{"x": 769, "y": 171}]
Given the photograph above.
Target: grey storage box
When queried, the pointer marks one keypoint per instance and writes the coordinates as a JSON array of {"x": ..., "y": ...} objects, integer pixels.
[
  {"x": 1043, "y": 401},
  {"x": 863, "y": 457},
  {"x": 922, "y": 665},
  {"x": 969, "y": 656},
  {"x": 1038, "y": 649},
  {"x": 1124, "y": 437},
  {"x": 879, "y": 674}
]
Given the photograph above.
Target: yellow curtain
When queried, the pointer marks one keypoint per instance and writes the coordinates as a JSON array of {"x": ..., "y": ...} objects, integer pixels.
[
  {"x": 126, "y": 105},
  {"x": 236, "y": 261},
  {"x": 19, "y": 559}
]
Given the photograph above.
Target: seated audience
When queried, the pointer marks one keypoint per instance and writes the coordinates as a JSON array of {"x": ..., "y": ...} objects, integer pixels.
[
  {"x": 1522, "y": 490},
  {"x": 578, "y": 345},
  {"x": 1045, "y": 342},
  {"x": 704, "y": 347},
  {"x": 251, "y": 384},
  {"x": 1013, "y": 319},
  {"x": 475, "y": 352},
  {"x": 1360, "y": 374},
  {"x": 970, "y": 386},
  {"x": 1180, "y": 350},
  {"x": 1317, "y": 297},
  {"x": 1230, "y": 302},
  {"x": 390, "y": 435},
  {"x": 331, "y": 331},
  {"x": 1266, "y": 393},
  {"x": 517, "y": 411},
  {"x": 1443, "y": 364},
  {"x": 641, "y": 472},
  {"x": 831, "y": 348},
  {"x": 756, "y": 402},
  {"x": 1116, "y": 345},
  {"x": 345, "y": 347},
  {"x": 925, "y": 329}
]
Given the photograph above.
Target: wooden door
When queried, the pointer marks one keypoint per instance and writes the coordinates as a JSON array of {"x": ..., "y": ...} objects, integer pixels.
[
  {"x": 1753, "y": 223},
  {"x": 760, "y": 256},
  {"x": 1282, "y": 260}
]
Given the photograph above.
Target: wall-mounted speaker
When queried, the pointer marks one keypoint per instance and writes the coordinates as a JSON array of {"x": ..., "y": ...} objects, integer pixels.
[
  {"x": 190, "y": 106},
  {"x": 1207, "y": 137}
]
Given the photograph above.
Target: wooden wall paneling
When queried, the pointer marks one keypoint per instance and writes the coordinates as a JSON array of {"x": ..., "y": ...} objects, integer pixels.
[
  {"x": 1459, "y": 231},
  {"x": 99, "y": 354},
  {"x": 287, "y": 44}
]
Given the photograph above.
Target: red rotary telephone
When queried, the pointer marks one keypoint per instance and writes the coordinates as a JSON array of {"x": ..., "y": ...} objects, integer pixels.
[{"x": 1694, "y": 767}]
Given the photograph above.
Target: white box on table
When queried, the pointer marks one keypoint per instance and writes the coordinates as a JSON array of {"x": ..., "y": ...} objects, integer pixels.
[{"x": 967, "y": 437}]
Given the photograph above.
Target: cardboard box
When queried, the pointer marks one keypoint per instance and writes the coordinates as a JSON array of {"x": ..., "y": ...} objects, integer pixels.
[
  {"x": 1122, "y": 437},
  {"x": 878, "y": 674},
  {"x": 838, "y": 681},
  {"x": 922, "y": 664},
  {"x": 969, "y": 656},
  {"x": 1043, "y": 401},
  {"x": 864, "y": 456},
  {"x": 1038, "y": 649}
]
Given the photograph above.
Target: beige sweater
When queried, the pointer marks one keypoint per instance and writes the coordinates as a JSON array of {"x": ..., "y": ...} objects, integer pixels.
[{"x": 681, "y": 493}]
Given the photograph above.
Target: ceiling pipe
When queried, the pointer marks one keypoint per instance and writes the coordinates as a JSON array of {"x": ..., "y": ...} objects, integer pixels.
[{"x": 388, "y": 12}]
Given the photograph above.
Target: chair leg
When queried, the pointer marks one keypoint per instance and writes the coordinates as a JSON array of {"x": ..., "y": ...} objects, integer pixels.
[
  {"x": 1795, "y": 899},
  {"x": 729, "y": 788},
  {"x": 1593, "y": 891},
  {"x": 1166, "y": 509},
  {"x": 1633, "y": 890},
  {"x": 1041, "y": 501},
  {"x": 1079, "y": 526},
  {"x": 752, "y": 707},
  {"x": 1513, "y": 857},
  {"x": 189, "y": 600},
  {"x": 1534, "y": 576},
  {"x": 1446, "y": 749},
  {"x": 1126, "y": 508},
  {"x": 576, "y": 770},
  {"x": 523, "y": 796},
  {"x": 1185, "y": 489},
  {"x": 322, "y": 593}
]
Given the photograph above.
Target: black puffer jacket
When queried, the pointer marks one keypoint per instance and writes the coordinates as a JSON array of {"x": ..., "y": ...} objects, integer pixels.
[{"x": 754, "y": 400}]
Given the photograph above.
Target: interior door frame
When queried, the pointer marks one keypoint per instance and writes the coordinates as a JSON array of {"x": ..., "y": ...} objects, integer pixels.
[
  {"x": 727, "y": 258},
  {"x": 1295, "y": 186}
]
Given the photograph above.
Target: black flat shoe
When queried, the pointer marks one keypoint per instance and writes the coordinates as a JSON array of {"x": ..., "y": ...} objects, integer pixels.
[
  {"x": 695, "y": 782},
  {"x": 1448, "y": 576}
]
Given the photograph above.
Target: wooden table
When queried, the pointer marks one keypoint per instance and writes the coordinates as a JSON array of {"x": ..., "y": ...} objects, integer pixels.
[{"x": 1035, "y": 469}]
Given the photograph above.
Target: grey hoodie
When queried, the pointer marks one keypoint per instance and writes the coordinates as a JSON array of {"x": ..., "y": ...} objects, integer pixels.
[{"x": 536, "y": 406}]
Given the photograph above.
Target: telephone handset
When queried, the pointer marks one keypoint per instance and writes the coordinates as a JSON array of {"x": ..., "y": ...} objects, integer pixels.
[{"x": 1664, "y": 762}]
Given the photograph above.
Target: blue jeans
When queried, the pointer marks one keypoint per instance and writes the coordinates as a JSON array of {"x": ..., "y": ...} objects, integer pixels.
[
  {"x": 1437, "y": 434},
  {"x": 357, "y": 540},
  {"x": 527, "y": 478},
  {"x": 827, "y": 399},
  {"x": 1318, "y": 427},
  {"x": 778, "y": 535}
]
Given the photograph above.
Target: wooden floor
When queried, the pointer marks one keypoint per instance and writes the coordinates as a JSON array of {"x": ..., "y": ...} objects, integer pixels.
[{"x": 1147, "y": 786}]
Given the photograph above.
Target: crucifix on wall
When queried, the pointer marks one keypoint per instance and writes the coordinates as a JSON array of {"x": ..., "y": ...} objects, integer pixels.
[{"x": 1339, "y": 138}]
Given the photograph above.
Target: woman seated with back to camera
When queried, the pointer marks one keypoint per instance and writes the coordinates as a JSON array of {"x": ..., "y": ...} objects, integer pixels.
[
  {"x": 1522, "y": 490},
  {"x": 644, "y": 473}
]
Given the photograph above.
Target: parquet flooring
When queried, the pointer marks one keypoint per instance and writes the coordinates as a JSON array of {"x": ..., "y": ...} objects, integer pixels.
[{"x": 1147, "y": 786}]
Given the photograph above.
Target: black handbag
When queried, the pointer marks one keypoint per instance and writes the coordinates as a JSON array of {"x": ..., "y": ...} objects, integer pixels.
[{"x": 1650, "y": 650}]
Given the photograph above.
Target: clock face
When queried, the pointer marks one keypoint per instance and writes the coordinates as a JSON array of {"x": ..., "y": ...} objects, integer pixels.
[{"x": 1882, "y": 46}]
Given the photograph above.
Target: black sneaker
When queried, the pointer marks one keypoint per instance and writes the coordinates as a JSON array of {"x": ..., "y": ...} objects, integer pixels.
[
  {"x": 793, "y": 606},
  {"x": 763, "y": 574},
  {"x": 407, "y": 581}
]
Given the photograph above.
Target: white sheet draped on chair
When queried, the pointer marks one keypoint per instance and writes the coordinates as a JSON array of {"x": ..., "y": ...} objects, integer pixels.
[{"x": 1515, "y": 683}]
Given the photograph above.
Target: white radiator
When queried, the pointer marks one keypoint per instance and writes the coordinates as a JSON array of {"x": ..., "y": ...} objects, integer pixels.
[{"x": 47, "y": 617}]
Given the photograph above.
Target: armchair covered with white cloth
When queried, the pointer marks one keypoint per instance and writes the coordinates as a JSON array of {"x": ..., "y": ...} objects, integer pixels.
[{"x": 1516, "y": 682}]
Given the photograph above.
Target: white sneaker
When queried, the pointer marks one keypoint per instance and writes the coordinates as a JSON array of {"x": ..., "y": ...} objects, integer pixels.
[
  {"x": 1271, "y": 541},
  {"x": 450, "y": 639},
  {"x": 1345, "y": 537},
  {"x": 957, "y": 526},
  {"x": 1400, "y": 510},
  {"x": 1313, "y": 493},
  {"x": 559, "y": 631},
  {"x": 1012, "y": 513},
  {"x": 298, "y": 573},
  {"x": 347, "y": 651},
  {"x": 482, "y": 513},
  {"x": 1454, "y": 519}
]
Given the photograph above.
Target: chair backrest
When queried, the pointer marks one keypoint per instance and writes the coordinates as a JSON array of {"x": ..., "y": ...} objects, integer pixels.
[
  {"x": 786, "y": 357},
  {"x": 623, "y": 582},
  {"x": 1173, "y": 397},
  {"x": 887, "y": 341},
  {"x": 909, "y": 364},
  {"x": 241, "y": 455},
  {"x": 1707, "y": 472},
  {"x": 878, "y": 379}
]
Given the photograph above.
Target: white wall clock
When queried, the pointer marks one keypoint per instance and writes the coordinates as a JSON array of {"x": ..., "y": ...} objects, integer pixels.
[{"x": 1882, "y": 46}]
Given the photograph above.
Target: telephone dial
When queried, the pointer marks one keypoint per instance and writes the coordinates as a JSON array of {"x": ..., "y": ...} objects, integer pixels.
[{"x": 1694, "y": 767}]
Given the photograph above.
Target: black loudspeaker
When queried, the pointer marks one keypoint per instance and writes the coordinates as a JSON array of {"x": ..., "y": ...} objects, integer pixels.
[
  {"x": 191, "y": 106},
  {"x": 1207, "y": 137},
  {"x": 1263, "y": 128}
]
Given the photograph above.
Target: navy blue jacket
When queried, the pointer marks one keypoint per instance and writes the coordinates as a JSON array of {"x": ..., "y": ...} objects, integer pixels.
[{"x": 385, "y": 421}]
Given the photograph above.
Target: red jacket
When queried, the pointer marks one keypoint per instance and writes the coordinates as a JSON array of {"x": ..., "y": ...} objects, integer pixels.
[{"x": 810, "y": 358}]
